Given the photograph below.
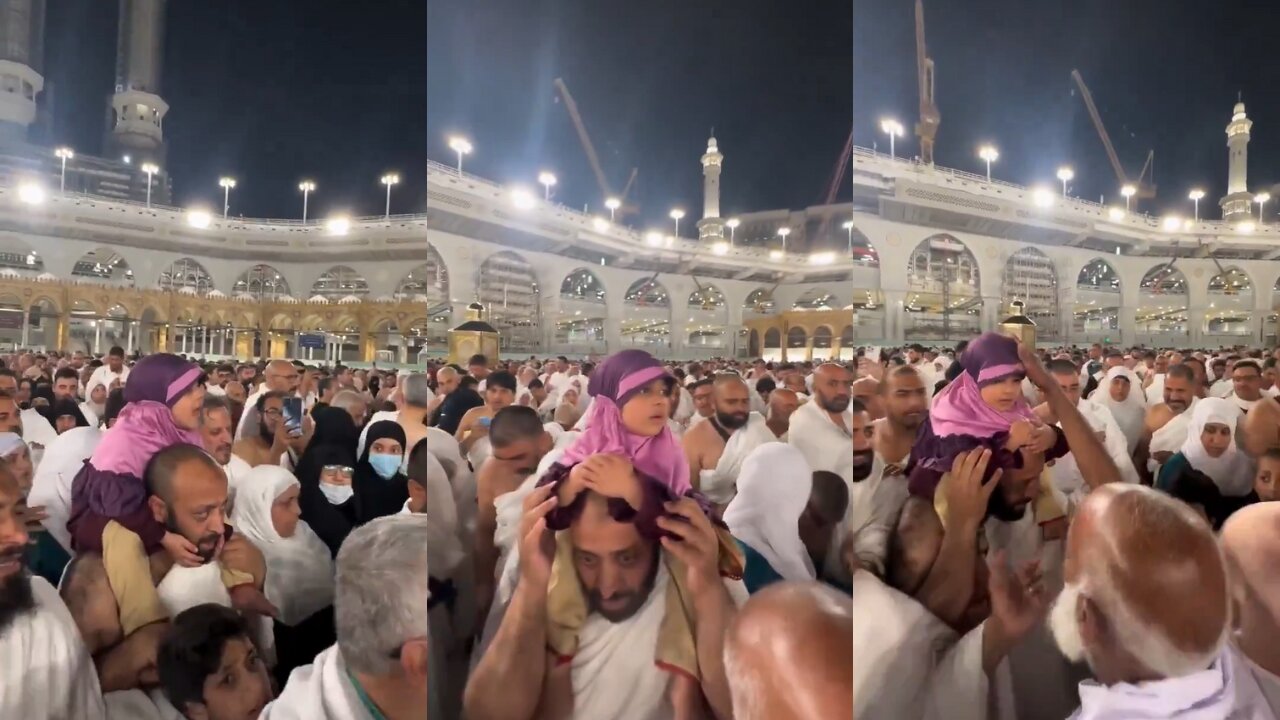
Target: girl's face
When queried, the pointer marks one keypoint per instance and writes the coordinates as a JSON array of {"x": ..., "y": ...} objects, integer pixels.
[
  {"x": 1002, "y": 394},
  {"x": 19, "y": 463},
  {"x": 386, "y": 446},
  {"x": 1216, "y": 438},
  {"x": 1120, "y": 389},
  {"x": 186, "y": 412},
  {"x": 285, "y": 512},
  {"x": 1264, "y": 483},
  {"x": 647, "y": 410}
]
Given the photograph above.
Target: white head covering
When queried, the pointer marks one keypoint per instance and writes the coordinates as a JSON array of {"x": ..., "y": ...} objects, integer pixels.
[
  {"x": 1229, "y": 471},
  {"x": 51, "y": 487},
  {"x": 10, "y": 443},
  {"x": 299, "y": 568},
  {"x": 773, "y": 489},
  {"x": 1131, "y": 413}
]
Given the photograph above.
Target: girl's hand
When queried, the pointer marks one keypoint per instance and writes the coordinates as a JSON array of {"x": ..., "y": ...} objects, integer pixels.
[
  {"x": 183, "y": 551},
  {"x": 1021, "y": 434}
]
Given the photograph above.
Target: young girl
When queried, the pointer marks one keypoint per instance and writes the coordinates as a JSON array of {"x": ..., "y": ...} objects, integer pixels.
[
  {"x": 628, "y": 417},
  {"x": 982, "y": 408},
  {"x": 164, "y": 395}
]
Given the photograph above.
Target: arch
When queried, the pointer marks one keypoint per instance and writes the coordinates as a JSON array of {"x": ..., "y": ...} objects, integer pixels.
[
  {"x": 647, "y": 292},
  {"x": 582, "y": 285},
  {"x": 507, "y": 287},
  {"x": 1031, "y": 278},
  {"x": 753, "y": 343},
  {"x": 760, "y": 301},
  {"x": 104, "y": 265},
  {"x": 1231, "y": 281},
  {"x": 772, "y": 339},
  {"x": 17, "y": 255},
  {"x": 185, "y": 273},
  {"x": 1098, "y": 275},
  {"x": 261, "y": 281},
  {"x": 706, "y": 297},
  {"x": 796, "y": 337},
  {"x": 339, "y": 282},
  {"x": 816, "y": 298},
  {"x": 1231, "y": 304},
  {"x": 708, "y": 317},
  {"x": 1163, "y": 299},
  {"x": 430, "y": 279},
  {"x": 944, "y": 299},
  {"x": 1164, "y": 279},
  {"x": 846, "y": 338}
]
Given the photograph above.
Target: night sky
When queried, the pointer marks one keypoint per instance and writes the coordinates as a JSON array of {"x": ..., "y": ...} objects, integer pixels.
[
  {"x": 271, "y": 92},
  {"x": 1164, "y": 74},
  {"x": 650, "y": 79}
]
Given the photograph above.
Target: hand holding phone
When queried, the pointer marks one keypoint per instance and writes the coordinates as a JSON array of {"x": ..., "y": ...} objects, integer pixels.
[{"x": 293, "y": 416}]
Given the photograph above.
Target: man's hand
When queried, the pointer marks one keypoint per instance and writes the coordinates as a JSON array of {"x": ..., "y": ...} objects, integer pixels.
[
  {"x": 241, "y": 554},
  {"x": 1043, "y": 438},
  {"x": 1035, "y": 371},
  {"x": 537, "y": 543},
  {"x": 612, "y": 476},
  {"x": 478, "y": 431},
  {"x": 33, "y": 516},
  {"x": 869, "y": 368},
  {"x": 1021, "y": 434},
  {"x": 1018, "y": 600},
  {"x": 967, "y": 496},
  {"x": 695, "y": 544}
]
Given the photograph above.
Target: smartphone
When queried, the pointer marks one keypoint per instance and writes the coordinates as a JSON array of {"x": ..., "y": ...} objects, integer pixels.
[
  {"x": 485, "y": 421},
  {"x": 293, "y": 416}
]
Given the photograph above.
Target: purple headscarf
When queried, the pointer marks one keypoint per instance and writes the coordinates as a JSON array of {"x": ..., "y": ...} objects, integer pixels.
[
  {"x": 162, "y": 379},
  {"x": 612, "y": 384},
  {"x": 145, "y": 426}
]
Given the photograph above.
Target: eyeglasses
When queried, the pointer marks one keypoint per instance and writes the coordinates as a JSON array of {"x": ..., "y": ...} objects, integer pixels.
[
  {"x": 338, "y": 469},
  {"x": 272, "y": 412}
]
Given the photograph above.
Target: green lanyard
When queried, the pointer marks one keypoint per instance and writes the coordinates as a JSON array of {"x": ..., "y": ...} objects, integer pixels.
[{"x": 374, "y": 712}]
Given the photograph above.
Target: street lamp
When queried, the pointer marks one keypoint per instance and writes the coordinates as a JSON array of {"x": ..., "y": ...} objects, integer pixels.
[
  {"x": 784, "y": 232},
  {"x": 64, "y": 154},
  {"x": 613, "y": 204},
  {"x": 547, "y": 180},
  {"x": 893, "y": 129},
  {"x": 1195, "y": 196},
  {"x": 226, "y": 183},
  {"x": 150, "y": 169},
  {"x": 307, "y": 187},
  {"x": 1128, "y": 191},
  {"x": 390, "y": 179},
  {"x": 732, "y": 225},
  {"x": 1261, "y": 199},
  {"x": 676, "y": 214},
  {"x": 848, "y": 225},
  {"x": 990, "y": 155},
  {"x": 1066, "y": 175},
  {"x": 462, "y": 146}
]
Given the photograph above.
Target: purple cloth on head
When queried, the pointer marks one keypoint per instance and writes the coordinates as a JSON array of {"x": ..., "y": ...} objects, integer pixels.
[
  {"x": 612, "y": 384},
  {"x": 142, "y": 429},
  {"x": 645, "y": 518},
  {"x": 161, "y": 378}
]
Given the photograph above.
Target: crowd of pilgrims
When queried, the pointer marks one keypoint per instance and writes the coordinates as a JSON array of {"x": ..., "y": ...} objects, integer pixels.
[
  {"x": 990, "y": 531},
  {"x": 211, "y": 541}
]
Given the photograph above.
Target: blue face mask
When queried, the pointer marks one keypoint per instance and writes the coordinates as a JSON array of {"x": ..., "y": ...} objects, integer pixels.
[{"x": 386, "y": 465}]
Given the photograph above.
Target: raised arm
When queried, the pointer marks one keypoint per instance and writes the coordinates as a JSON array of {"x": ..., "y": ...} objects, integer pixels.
[{"x": 1091, "y": 456}]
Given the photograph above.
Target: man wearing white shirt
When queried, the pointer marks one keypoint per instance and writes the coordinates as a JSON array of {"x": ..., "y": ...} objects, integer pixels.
[
  {"x": 114, "y": 369},
  {"x": 282, "y": 377},
  {"x": 215, "y": 429}
]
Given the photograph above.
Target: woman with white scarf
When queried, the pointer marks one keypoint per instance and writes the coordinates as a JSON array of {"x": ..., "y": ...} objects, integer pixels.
[
  {"x": 1121, "y": 393},
  {"x": 299, "y": 566},
  {"x": 1210, "y": 472},
  {"x": 773, "y": 490}
]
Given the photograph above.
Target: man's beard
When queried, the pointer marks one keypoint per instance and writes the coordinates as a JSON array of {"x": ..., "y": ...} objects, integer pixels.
[
  {"x": 999, "y": 508},
  {"x": 636, "y": 599},
  {"x": 268, "y": 436},
  {"x": 837, "y": 404},
  {"x": 910, "y": 421},
  {"x": 206, "y": 546},
  {"x": 863, "y": 462},
  {"x": 732, "y": 421},
  {"x": 16, "y": 597},
  {"x": 1064, "y": 626},
  {"x": 1177, "y": 406}
]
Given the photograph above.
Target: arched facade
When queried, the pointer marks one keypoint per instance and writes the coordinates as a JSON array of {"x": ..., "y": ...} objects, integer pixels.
[
  {"x": 1030, "y": 278},
  {"x": 944, "y": 287}
]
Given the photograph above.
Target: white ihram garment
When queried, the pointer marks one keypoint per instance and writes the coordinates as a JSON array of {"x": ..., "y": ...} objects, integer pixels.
[
  {"x": 461, "y": 478},
  {"x": 773, "y": 490},
  {"x": 1170, "y": 437},
  {"x": 1130, "y": 414},
  {"x": 720, "y": 484},
  {"x": 825, "y": 446},
  {"x": 46, "y": 672},
  {"x": 184, "y": 588},
  {"x": 319, "y": 691},
  {"x": 1225, "y": 690},
  {"x": 1268, "y": 682},
  {"x": 139, "y": 705},
  {"x": 51, "y": 486}
]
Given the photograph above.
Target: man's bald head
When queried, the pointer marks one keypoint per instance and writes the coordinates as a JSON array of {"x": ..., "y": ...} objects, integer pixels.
[
  {"x": 173, "y": 462},
  {"x": 788, "y": 654},
  {"x": 1251, "y": 545},
  {"x": 782, "y": 404},
  {"x": 1130, "y": 550}
]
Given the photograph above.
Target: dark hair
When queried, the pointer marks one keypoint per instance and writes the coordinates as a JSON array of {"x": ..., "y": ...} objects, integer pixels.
[
  {"x": 766, "y": 385},
  {"x": 192, "y": 651},
  {"x": 6, "y": 372},
  {"x": 501, "y": 379},
  {"x": 467, "y": 381},
  {"x": 1268, "y": 363},
  {"x": 66, "y": 372},
  {"x": 115, "y": 403},
  {"x": 324, "y": 384},
  {"x": 534, "y": 384},
  {"x": 478, "y": 359},
  {"x": 1182, "y": 371},
  {"x": 1246, "y": 364},
  {"x": 1062, "y": 367},
  {"x": 856, "y": 406},
  {"x": 418, "y": 463},
  {"x": 115, "y": 351},
  {"x": 514, "y": 423},
  {"x": 214, "y": 402},
  {"x": 693, "y": 386},
  {"x": 1271, "y": 454},
  {"x": 264, "y": 397}
]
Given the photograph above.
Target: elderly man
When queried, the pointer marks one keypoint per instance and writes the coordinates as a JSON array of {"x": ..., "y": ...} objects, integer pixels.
[
  {"x": 281, "y": 377},
  {"x": 378, "y": 668},
  {"x": 1251, "y": 544},
  {"x": 715, "y": 449},
  {"x": 788, "y": 654},
  {"x": 1151, "y": 657},
  {"x": 625, "y": 576},
  {"x": 415, "y": 395}
]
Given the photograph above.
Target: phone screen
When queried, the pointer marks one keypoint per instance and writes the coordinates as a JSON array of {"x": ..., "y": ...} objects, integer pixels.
[{"x": 293, "y": 415}]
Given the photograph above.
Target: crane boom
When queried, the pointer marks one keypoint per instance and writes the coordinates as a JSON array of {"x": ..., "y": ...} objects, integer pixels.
[
  {"x": 590, "y": 149},
  {"x": 927, "y": 128},
  {"x": 1144, "y": 189}
]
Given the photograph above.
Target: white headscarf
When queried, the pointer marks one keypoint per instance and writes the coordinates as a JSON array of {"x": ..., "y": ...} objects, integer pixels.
[
  {"x": 1130, "y": 414},
  {"x": 51, "y": 487},
  {"x": 773, "y": 489},
  {"x": 1229, "y": 471},
  {"x": 299, "y": 568}
]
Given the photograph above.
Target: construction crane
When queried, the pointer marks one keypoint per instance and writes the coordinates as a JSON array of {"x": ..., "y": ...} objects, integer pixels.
[
  {"x": 927, "y": 128},
  {"x": 590, "y": 149},
  {"x": 1145, "y": 184}
]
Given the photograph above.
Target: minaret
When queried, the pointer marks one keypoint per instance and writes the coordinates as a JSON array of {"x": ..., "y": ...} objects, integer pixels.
[
  {"x": 21, "y": 58},
  {"x": 136, "y": 116},
  {"x": 711, "y": 227},
  {"x": 1238, "y": 203}
]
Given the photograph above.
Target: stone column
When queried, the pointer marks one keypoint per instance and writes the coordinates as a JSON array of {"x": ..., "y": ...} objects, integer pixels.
[
  {"x": 990, "y": 313},
  {"x": 97, "y": 335},
  {"x": 64, "y": 330},
  {"x": 129, "y": 350},
  {"x": 895, "y": 316},
  {"x": 1128, "y": 324},
  {"x": 1195, "y": 325}
]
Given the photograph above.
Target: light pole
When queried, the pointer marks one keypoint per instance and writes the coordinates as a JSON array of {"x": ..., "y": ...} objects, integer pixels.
[
  {"x": 1128, "y": 191},
  {"x": 64, "y": 154},
  {"x": 1195, "y": 196},
  {"x": 461, "y": 146},
  {"x": 784, "y": 232},
  {"x": 732, "y": 225},
  {"x": 547, "y": 180},
  {"x": 676, "y": 214},
  {"x": 848, "y": 225},
  {"x": 226, "y": 183},
  {"x": 613, "y": 204},
  {"x": 989, "y": 154},
  {"x": 150, "y": 169},
  {"x": 307, "y": 187},
  {"x": 1066, "y": 175},
  {"x": 893, "y": 129},
  {"x": 1261, "y": 199},
  {"x": 390, "y": 180}
]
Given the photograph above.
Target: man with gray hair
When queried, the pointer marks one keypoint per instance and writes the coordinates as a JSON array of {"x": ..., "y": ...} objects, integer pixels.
[
  {"x": 378, "y": 668},
  {"x": 415, "y": 397}
]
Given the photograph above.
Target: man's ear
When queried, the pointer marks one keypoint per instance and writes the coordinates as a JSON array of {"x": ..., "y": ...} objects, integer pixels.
[
  {"x": 159, "y": 510},
  {"x": 413, "y": 660}
]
